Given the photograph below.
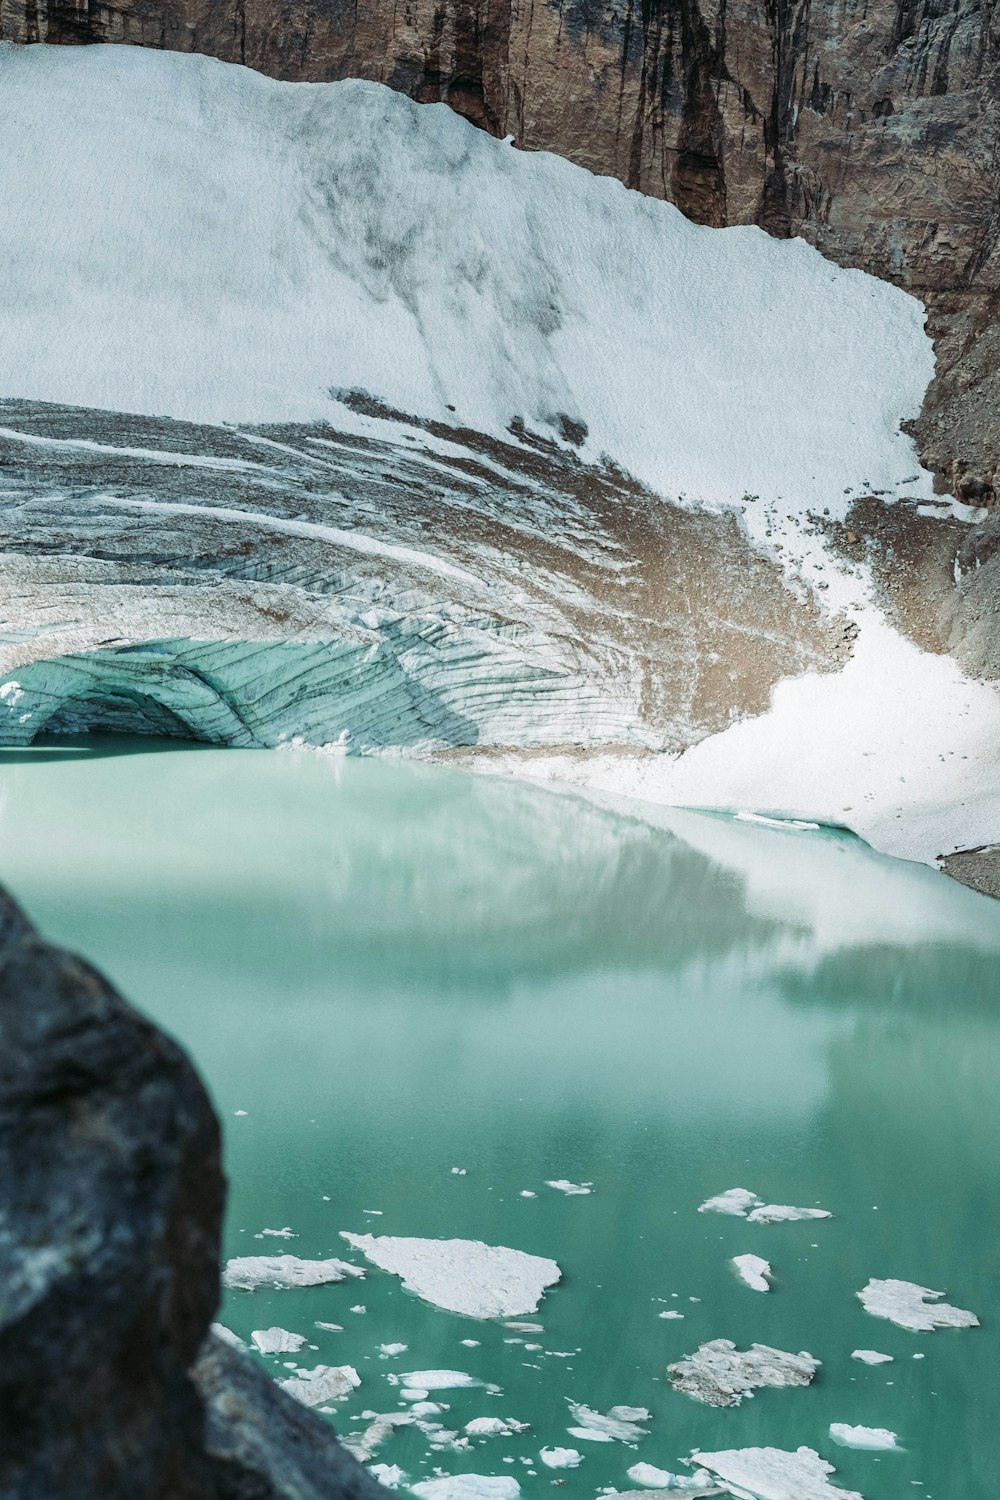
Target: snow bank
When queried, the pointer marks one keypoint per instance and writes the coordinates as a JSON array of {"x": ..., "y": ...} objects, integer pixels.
[
  {"x": 463, "y": 1276},
  {"x": 719, "y": 1374},
  {"x": 913, "y": 1307},
  {"x": 189, "y": 238}
]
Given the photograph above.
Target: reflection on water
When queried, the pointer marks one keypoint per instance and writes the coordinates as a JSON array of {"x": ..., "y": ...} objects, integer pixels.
[{"x": 398, "y": 970}]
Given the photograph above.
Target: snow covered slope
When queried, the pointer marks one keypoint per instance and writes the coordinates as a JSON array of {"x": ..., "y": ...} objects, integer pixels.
[
  {"x": 328, "y": 418},
  {"x": 186, "y": 238}
]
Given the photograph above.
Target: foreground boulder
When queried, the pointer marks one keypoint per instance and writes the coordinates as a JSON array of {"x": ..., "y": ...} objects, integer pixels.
[{"x": 111, "y": 1197}]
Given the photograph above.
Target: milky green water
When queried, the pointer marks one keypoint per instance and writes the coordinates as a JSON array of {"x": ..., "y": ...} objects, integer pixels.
[{"x": 397, "y": 971}]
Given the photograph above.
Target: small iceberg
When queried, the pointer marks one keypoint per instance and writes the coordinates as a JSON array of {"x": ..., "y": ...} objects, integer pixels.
[
  {"x": 742, "y": 1203},
  {"x": 462, "y": 1276},
  {"x": 719, "y": 1374},
  {"x": 784, "y": 1213},
  {"x": 468, "y": 1487},
  {"x": 277, "y": 1341},
  {"x": 571, "y": 1189},
  {"x": 391, "y": 1475},
  {"x": 435, "y": 1380},
  {"x": 494, "y": 1427},
  {"x": 774, "y": 1474},
  {"x": 871, "y": 1357},
  {"x": 325, "y": 1383},
  {"x": 862, "y": 1437},
  {"x": 735, "y": 1201},
  {"x": 914, "y": 1307},
  {"x": 752, "y": 1271},
  {"x": 247, "y": 1272},
  {"x": 693, "y": 1485},
  {"x": 227, "y": 1336},
  {"x": 561, "y": 1458},
  {"x": 621, "y": 1424}
]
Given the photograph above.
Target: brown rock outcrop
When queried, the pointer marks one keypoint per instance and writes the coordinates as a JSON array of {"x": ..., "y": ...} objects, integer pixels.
[{"x": 870, "y": 129}]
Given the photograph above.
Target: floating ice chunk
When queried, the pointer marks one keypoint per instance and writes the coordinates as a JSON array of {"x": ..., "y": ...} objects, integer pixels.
[
  {"x": 913, "y": 1307},
  {"x": 277, "y": 1234},
  {"x": 227, "y": 1336},
  {"x": 494, "y": 1427},
  {"x": 735, "y": 1201},
  {"x": 277, "y": 1341},
  {"x": 784, "y": 1213},
  {"x": 752, "y": 1271},
  {"x": 458, "y": 1171},
  {"x": 468, "y": 1487},
  {"x": 249, "y": 1271},
  {"x": 774, "y": 1474},
  {"x": 391, "y": 1475},
  {"x": 365, "y": 1444},
  {"x": 436, "y": 1380},
  {"x": 670, "y": 1313},
  {"x": 721, "y": 1375},
  {"x": 621, "y": 1424},
  {"x": 241, "y": 1114},
  {"x": 862, "y": 1437},
  {"x": 871, "y": 1357},
  {"x": 359, "y": 1309},
  {"x": 519, "y": 1327},
  {"x": 325, "y": 1383},
  {"x": 693, "y": 1485},
  {"x": 571, "y": 1189},
  {"x": 330, "y": 1327},
  {"x": 389, "y": 1351},
  {"x": 527, "y": 1193},
  {"x": 424, "y": 1408},
  {"x": 463, "y": 1276},
  {"x": 410, "y": 1394},
  {"x": 470, "y": 1343},
  {"x": 561, "y": 1458}
]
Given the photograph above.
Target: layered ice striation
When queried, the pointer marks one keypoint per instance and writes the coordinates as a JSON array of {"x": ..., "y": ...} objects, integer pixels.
[{"x": 719, "y": 1374}]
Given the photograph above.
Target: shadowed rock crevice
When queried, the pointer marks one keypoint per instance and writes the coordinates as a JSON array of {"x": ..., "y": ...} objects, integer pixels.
[{"x": 111, "y": 1196}]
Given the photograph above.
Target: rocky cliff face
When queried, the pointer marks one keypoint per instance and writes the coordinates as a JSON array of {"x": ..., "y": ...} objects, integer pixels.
[
  {"x": 871, "y": 130},
  {"x": 110, "y": 1208}
]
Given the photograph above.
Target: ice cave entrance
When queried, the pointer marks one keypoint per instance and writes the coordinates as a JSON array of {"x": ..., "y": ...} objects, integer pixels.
[{"x": 436, "y": 1006}]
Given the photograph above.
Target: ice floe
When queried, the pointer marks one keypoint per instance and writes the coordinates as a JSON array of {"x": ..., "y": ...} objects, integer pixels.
[
  {"x": 468, "y": 1487},
  {"x": 621, "y": 1424},
  {"x": 561, "y": 1458},
  {"x": 324, "y": 1383},
  {"x": 277, "y": 1234},
  {"x": 670, "y": 1313},
  {"x": 742, "y": 1203},
  {"x": 862, "y": 1437},
  {"x": 330, "y": 1327},
  {"x": 721, "y": 1375},
  {"x": 693, "y": 1485},
  {"x": 277, "y": 1341},
  {"x": 571, "y": 1189},
  {"x": 753, "y": 1272},
  {"x": 435, "y": 1380},
  {"x": 871, "y": 1357},
  {"x": 390, "y": 1351},
  {"x": 774, "y": 1474},
  {"x": 494, "y": 1427},
  {"x": 914, "y": 1307},
  {"x": 227, "y": 1336},
  {"x": 391, "y": 1475},
  {"x": 246, "y": 1272},
  {"x": 463, "y": 1276}
]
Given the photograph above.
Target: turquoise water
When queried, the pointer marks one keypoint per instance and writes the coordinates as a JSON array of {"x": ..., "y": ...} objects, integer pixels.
[{"x": 397, "y": 971}]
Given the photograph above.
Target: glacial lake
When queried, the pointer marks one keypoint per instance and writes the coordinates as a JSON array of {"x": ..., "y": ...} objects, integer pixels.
[{"x": 418, "y": 995}]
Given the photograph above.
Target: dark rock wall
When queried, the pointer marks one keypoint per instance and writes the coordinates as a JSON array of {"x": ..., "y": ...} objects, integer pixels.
[
  {"x": 111, "y": 1195},
  {"x": 873, "y": 129}
]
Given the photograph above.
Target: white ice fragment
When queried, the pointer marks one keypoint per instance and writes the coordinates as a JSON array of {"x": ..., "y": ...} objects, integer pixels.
[
  {"x": 527, "y": 1193},
  {"x": 871, "y": 1357},
  {"x": 330, "y": 1327},
  {"x": 391, "y": 1475},
  {"x": 571, "y": 1189},
  {"x": 590, "y": 1435},
  {"x": 246, "y": 1272},
  {"x": 693, "y": 1485},
  {"x": 719, "y": 1374},
  {"x": 494, "y": 1427},
  {"x": 324, "y": 1383},
  {"x": 784, "y": 1213},
  {"x": 561, "y": 1458},
  {"x": 277, "y": 1341},
  {"x": 463, "y": 1276},
  {"x": 360, "y": 1308},
  {"x": 437, "y": 1380},
  {"x": 670, "y": 1313},
  {"x": 913, "y": 1307},
  {"x": 752, "y": 1271},
  {"x": 735, "y": 1201},
  {"x": 774, "y": 1474},
  {"x": 424, "y": 1408},
  {"x": 470, "y": 1343},
  {"x": 240, "y": 1114},
  {"x": 277, "y": 1234},
  {"x": 458, "y": 1171},
  {"x": 518, "y": 1326},
  {"x": 227, "y": 1336},
  {"x": 621, "y": 1424},
  {"x": 411, "y": 1393},
  {"x": 468, "y": 1487},
  {"x": 862, "y": 1437},
  {"x": 389, "y": 1351}
]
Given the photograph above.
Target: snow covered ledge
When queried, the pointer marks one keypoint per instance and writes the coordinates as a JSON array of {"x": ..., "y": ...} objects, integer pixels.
[{"x": 358, "y": 257}]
